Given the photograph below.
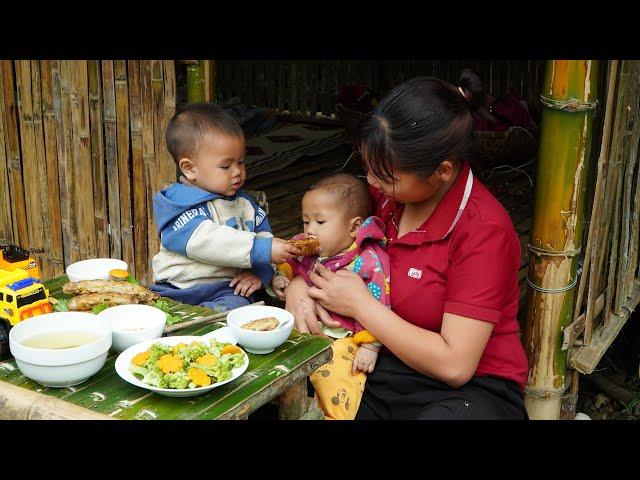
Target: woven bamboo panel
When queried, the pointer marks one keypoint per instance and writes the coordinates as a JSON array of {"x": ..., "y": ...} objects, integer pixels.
[{"x": 81, "y": 152}]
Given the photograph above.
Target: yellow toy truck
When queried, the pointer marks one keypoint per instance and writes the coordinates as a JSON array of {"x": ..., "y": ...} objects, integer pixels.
[
  {"x": 21, "y": 295},
  {"x": 12, "y": 257}
]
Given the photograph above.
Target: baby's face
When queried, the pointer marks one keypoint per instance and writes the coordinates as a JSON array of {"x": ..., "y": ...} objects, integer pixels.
[
  {"x": 218, "y": 165},
  {"x": 323, "y": 218}
]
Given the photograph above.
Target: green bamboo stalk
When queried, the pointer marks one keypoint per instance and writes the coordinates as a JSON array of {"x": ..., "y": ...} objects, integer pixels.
[
  {"x": 6, "y": 229},
  {"x": 196, "y": 91},
  {"x": 568, "y": 98}
]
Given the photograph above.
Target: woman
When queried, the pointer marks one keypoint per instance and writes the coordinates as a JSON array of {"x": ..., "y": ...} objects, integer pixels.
[{"x": 451, "y": 339}]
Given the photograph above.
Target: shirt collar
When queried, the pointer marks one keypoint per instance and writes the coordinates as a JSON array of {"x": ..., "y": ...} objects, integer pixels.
[{"x": 441, "y": 221}]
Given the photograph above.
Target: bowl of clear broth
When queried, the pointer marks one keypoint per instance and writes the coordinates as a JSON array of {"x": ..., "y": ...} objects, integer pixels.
[{"x": 60, "y": 349}]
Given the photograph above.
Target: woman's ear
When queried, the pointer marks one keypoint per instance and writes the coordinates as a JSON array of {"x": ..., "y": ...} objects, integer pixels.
[
  {"x": 445, "y": 170},
  {"x": 354, "y": 226},
  {"x": 187, "y": 168}
]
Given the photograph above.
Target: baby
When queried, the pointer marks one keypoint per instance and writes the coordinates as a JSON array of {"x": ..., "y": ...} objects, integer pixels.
[
  {"x": 336, "y": 211},
  {"x": 216, "y": 242}
]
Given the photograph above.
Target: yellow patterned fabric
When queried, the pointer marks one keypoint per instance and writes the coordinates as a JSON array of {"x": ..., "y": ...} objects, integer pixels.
[{"x": 337, "y": 391}]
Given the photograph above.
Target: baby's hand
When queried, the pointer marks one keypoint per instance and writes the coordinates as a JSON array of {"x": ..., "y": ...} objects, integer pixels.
[
  {"x": 365, "y": 359},
  {"x": 246, "y": 283},
  {"x": 279, "y": 283},
  {"x": 281, "y": 251}
]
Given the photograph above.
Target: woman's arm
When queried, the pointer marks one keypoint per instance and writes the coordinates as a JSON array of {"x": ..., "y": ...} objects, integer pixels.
[{"x": 451, "y": 356}]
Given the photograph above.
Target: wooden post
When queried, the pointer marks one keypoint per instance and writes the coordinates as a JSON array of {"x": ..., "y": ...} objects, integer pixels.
[
  {"x": 293, "y": 402},
  {"x": 568, "y": 98}
]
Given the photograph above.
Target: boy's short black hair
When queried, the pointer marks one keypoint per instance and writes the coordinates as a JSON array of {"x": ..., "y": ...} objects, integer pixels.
[
  {"x": 352, "y": 191},
  {"x": 188, "y": 127}
]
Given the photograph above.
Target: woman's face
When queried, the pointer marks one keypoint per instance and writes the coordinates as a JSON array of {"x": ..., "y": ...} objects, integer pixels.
[{"x": 407, "y": 187}]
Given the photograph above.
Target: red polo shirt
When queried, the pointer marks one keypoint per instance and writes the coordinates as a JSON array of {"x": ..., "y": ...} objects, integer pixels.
[{"x": 471, "y": 271}]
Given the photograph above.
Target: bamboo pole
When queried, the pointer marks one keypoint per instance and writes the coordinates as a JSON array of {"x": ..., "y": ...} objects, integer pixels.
[
  {"x": 149, "y": 156},
  {"x": 98, "y": 159},
  {"x": 630, "y": 157},
  {"x": 124, "y": 163},
  {"x": 196, "y": 82},
  {"x": 568, "y": 97},
  {"x": 599, "y": 185},
  {"x": 619, "y": 167},
  {"x": 30, "y": 161},
  {"x": 66, "y": 166},
  {"x": 84, "y": 205},
  {"x": 111, "y": 156},
  {"x": 210, "y": 74},
  {"x": 6, "y": 228},
  {"x": 635, "y": 237},
  {"x": 139, "y": 181},
  {"x": 12, "y": 145},
  {"x": 169, "y": 168},
  {"x": 603, "y": 223},
  {"x": 42, "y": 194},
  {"x": 159, "y": 126},
  {"x": 51, "y": 155},
  {"x": 22, "y": 404}
]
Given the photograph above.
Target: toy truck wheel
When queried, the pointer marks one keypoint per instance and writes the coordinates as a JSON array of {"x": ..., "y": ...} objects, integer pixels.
[{"x": 4, "y": 340}]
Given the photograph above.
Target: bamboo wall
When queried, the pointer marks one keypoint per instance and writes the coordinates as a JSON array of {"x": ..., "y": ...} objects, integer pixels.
[
  {"x": 81, "y": 151},
  {"x": 313, "y": 86},
  {"x": 609, "y": 286}
]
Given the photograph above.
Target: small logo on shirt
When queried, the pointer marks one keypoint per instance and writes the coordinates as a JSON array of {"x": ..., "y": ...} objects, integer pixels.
[
  {"x": 260, "y": 216},
  {"x": 415, "y": 273}
]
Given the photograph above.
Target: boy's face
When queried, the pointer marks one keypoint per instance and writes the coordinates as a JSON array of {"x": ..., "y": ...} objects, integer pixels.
[
  {"x": 218, "y": 165},
  {"x": 324, "y": 219}
]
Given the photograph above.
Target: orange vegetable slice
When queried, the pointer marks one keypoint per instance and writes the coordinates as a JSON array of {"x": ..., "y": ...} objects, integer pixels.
[{"x": 230, "y": 349}]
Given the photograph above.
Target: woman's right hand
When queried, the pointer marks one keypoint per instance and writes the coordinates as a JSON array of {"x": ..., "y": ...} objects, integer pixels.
[{"x": 306, "y": 312}]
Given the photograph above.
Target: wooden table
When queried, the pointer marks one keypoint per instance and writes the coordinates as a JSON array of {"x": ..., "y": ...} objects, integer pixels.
[{"x": 281, "y": 373}]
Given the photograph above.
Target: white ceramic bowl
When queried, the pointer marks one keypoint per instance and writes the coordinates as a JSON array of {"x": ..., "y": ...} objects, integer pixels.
[
  {"x": 260, "y": 342},
  {"x": 93, "y": 269},
  {"x": 61, "y": 367},
  {"x": 133, "y": 324}
]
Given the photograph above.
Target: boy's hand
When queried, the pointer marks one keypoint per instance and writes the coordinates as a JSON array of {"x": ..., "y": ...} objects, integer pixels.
[
  {"x": 281, "y": 251},
  {"x": 365, "y": 359},
  {"x": 279, "y": 283},
  {"x": 246, "y": 283}
]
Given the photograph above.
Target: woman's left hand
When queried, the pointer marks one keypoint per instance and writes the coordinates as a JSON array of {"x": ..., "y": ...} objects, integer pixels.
[{"x": 343, "y": 292}]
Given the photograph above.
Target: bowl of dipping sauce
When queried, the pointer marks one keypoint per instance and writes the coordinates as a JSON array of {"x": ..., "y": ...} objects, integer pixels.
[{"x": 60, "y": 349}]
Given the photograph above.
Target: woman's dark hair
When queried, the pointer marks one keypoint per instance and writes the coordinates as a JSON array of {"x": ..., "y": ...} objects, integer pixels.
[
  {"x": 189, "y": 126},
  {"x": 418, "y": 125},
  {"x": 471, "y": 82}
]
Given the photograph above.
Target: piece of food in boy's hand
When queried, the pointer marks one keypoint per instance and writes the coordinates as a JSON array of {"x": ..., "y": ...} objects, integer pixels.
[
  {"x": 307, "y": 246},
  {"x": 262, "y": 324},
  {"x": 89, "y": 300}
]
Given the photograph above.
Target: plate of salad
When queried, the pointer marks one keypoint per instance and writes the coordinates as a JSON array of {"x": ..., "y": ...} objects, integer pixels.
[{"x": 183, "y": 366}]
